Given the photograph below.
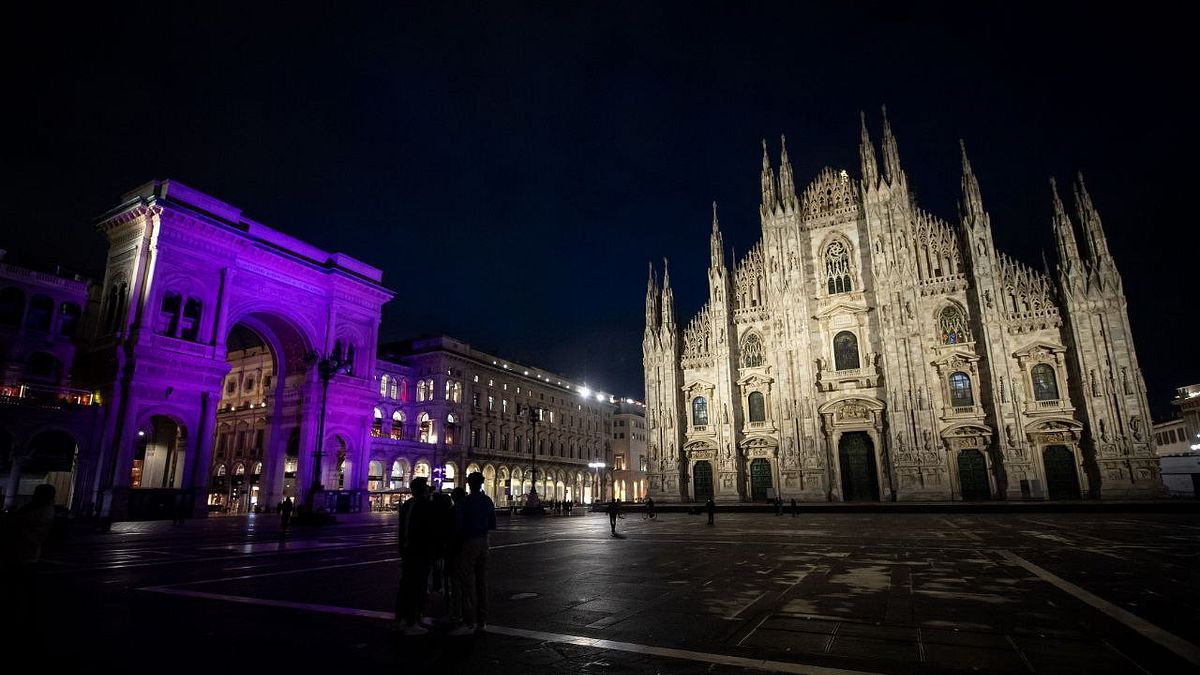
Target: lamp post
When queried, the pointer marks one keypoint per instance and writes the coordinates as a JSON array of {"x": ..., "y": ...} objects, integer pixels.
[
  {"x": 597, "y": 466},
  {"x": 327, "y": 367},
  {"x": 532, "y": 505}
]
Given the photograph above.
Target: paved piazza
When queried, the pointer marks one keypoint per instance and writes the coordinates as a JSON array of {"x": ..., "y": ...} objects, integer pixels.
[{"x": 819, "y": 593}]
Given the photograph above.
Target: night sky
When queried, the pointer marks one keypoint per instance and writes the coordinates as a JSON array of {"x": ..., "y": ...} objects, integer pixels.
[{"x": 512, "y": 168}]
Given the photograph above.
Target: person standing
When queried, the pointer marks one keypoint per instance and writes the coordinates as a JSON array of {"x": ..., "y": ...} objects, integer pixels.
[
  {"x": 475, "y": 519},
  {"x": 711, "y": 507},
  {"x": 285, "y": 513},
  {"x": 779, "y": 506},
  {"x": 614, "y": 511},
  {"x": 417, "y": 521},
  {"x": 795, "y": 511}
]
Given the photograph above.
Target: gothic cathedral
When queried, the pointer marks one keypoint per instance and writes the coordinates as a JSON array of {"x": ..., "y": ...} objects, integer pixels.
[{"x": 865, "y": 349}]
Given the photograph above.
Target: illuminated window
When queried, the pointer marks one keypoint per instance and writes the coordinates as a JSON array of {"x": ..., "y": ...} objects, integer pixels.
[
  {"x": 377, "y": 424},
  {"x": 397, "y": 425},
  {"x": 1045, "y": 385},
  {"x": 837, "y": 268},
  {"x": 383, "y": 385},
  {"x": 699, "y": 411},
  {"x": 960, "y": 390},
  {"x": 952, "y": 326}
]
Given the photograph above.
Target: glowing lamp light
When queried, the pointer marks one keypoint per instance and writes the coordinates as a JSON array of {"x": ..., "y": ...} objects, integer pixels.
[
  {"x": 584, "y": 391},
  {"x": 599, "y": 397},
  {"x": 141, "y": 432}
]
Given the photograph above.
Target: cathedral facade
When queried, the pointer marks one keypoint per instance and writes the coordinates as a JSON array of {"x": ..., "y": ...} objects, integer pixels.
[{"x": 865, "y": 349}]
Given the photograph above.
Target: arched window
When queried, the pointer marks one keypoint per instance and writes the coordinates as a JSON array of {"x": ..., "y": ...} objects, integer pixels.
[
  {"x": 837, "y": 268},
  {"x": 12, "y": 306},
  {"x": 221, "y": 470},
  {"x": 397, "y": 425},
  {"x": 845, "y": 351},
  {"x": 952, "y": 326},
  {"x": 699, "y": 411},
  {"x": 422, "y": 392},
  {"x": 758, "y": 407},
  {"x": 403, "y": 389},
  {"x": 68, "y": 319},
  {"x": 1045, "y": 384},
  {"x": 452, "y": 429},
  {"x": 960, "y": 390},
  {"x": 393, "y": 390},
  {"x": 168, "y": 313},
  {"x": 383, "y": 385},
  {"x": 752, "y": 351},
  {"x": 41, "y": 308},
  {"x": 377, "y": 424},
  {"x": 425, "y": 429},
  {"x": 190, "y": 327},
  {"x": 44, "y": 366}
]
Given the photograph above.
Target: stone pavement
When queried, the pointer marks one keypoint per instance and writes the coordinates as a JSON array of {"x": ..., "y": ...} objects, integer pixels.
[{"x": 893, "y": 593}]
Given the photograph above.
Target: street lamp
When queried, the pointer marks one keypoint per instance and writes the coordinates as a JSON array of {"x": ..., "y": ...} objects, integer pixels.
[
  {"x": 327, "y": 368},
  {"x": 532, "y": 505},
  {"x": 597, "y": 466}
]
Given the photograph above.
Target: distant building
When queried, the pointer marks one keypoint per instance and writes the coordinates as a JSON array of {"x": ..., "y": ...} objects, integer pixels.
[
  {"x": 446, "y": 409},
  {"x": 629, "y": 451},
  {"x": 48, "y": 422},
  {"x": 1179, "y": 445}
]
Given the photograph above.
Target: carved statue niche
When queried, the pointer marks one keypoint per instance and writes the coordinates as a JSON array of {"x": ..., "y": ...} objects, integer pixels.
[
  {"x": 1135, "y": 426},
  {"x": 1010, "y": 435}
]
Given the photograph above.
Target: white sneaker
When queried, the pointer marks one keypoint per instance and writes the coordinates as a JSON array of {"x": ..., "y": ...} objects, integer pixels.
[
  {"x": 415, "y": 630},
  {"x": 462, "y": 630}
]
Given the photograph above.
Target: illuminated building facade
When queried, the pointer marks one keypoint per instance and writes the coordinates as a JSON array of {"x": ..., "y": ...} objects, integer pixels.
[{"x": 866, "y": 349}]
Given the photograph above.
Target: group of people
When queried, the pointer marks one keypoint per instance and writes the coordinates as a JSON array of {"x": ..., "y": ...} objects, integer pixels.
[
  {"x": 560, "y": 507},
  {"x": 444, "y": 547}
]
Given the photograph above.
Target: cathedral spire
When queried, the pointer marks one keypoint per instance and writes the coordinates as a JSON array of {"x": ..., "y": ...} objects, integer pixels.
[
  {"x": 769, "y": 199},
  {"x": 1064, "y": 234},
  {"x": 787, "y": 186},
  {"x": 668, "y": 300},
  {"x": 1089, "y": 220},
  {"x": 891, "y": 153},
  {"x": 866, "y": 153},
  {"x": 716, "y": 243},
  {"x": 652, "y": 315},
  {"x": 972, "y": 204}
]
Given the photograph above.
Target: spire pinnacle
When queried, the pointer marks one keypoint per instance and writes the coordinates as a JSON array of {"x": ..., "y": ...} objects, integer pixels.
[
  {"x": 716, "y": 224},
  {"x": 1064, "y": 233},
  {"x": 787, "y": 185},
  {"x": 891, "y": 152},
  {"x": 866, "y": 154},
  {"x": 769, "y": 199},
  {"x": 972, "y": 205},
  {"x": 716, "y": 244}
]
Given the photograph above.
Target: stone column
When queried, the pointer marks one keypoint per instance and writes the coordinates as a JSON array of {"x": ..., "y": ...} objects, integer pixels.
[{"x": 195, "y": 472}]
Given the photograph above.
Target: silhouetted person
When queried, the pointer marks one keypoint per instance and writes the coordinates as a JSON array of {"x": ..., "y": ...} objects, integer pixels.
[
  {"x": 21, "y": 538},
  {"x": 650, "y": 507},
  {"x": 614, "y": 512},
  {"x": 285, "y": 513},
  {"x": 417, "y": 523},
  {"x": 711, "y": 507},
  {"x": 778, "y": 506},
  {"x": 453, "y": 551},
  {"x": 795, "y": 511},
  {"x": 475, "y": 518}
]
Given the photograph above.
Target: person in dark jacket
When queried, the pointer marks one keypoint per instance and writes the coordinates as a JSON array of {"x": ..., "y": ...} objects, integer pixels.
[
  {"x": 475, "y": 518},
  {"x": 711, "y": 507},
  {"x": 417, "y": 540}
]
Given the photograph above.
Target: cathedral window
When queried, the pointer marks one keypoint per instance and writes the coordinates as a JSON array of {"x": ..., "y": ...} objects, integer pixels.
[
  {"x": 699, "y": 411},
  {"x": 752, "y": 351},
  {"x": 377, "y": 424},
  {"x": 758, "y": 407},
  {"x": 960, "y": 390},
  {"x": 845, "y": 351},
  {"x": 837, "y": 268},
  {"x": 1045, "y": 385},
  {"x": 397, "y": 425},
  {"x": 952, "y": 326}
]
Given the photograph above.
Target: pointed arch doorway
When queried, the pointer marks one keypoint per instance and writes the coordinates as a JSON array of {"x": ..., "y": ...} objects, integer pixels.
[
  {"x": 860, "y": 475},
  {"x": 1062, "y": 480}
]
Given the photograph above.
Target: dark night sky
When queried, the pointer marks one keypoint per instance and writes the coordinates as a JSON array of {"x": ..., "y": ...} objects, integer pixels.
[{"x": 513, "y": 167}]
